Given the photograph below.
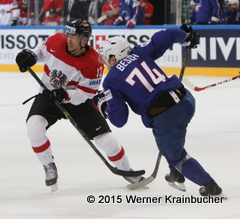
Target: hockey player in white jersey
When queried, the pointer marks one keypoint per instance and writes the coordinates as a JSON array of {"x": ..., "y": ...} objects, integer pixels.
[
  {"x": 72, "y": 74},
  {"x": 9, "y": 12}
]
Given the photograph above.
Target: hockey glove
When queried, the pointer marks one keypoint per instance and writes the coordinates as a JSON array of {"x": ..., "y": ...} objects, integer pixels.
[
  {"x": 214, "y": 20},
  {"x": 14, "y": 22},
  {"x": 26, "y": 58},
  {"x": 118, "y": 21},
  {"x": 191, "y": 40},
  {"x": 51, "y": 95},
  {"x": 100, "y": 101},
  {"x": 131, "y": 23}
]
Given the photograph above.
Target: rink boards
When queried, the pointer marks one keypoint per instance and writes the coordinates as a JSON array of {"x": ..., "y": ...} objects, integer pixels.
[{"x": 218, "y": 53}]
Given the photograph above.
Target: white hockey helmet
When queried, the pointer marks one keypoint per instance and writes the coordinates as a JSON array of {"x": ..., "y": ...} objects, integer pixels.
[
  {"x": 117, "y": 46},
  {"x": 232, "y": 2},
  {"x": 192, "y": 3}
]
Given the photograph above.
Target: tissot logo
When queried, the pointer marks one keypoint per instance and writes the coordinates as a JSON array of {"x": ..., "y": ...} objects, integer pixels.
[{"x": 132, "y": 39}]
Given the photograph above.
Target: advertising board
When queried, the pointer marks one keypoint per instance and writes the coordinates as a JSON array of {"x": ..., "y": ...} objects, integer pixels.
[{"x": 218, "y": 53}]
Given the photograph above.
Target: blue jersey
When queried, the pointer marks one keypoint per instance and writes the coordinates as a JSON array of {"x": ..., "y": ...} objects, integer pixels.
[
  {"x": 137, "y": 80},
  {"x": 193, "y": 17},
  {"x": 131, "y": 9},
  {"x": 233, "y": 17},
  {"x": 206, "y": 10}
]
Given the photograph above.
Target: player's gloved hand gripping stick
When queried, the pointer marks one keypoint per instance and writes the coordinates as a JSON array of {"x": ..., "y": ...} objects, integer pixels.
[{"x": 68, "y": 116}]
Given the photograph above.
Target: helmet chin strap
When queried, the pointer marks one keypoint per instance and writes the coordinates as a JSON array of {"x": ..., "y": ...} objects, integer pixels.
[{"x": 73, "y": 53}]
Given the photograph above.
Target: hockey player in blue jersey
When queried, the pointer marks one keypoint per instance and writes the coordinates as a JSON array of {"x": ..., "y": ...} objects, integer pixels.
[
  {"x": 163, "y": 103},
  {"x": 208, "y": 12},
  {"x": 233, "y": 13},
  {"x": 131, "y": 12}
]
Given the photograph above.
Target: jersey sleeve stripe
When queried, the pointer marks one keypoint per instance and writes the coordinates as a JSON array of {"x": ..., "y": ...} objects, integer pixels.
[{"x": 87, "y": 90}]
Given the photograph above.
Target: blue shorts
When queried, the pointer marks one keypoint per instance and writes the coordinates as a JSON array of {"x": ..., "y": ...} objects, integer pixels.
[{"x": 170, "y": 127}]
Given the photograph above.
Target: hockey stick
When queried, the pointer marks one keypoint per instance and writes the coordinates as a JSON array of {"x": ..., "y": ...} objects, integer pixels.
[
  {"x": 154, "y": 174},
  {"x": 64, "y": 111},
  {"x": 193, "y": 87},
  {"x": 104, "y": 17},
  {"x": 149, "y": 179},
  {"x": 184, "y": 63}
]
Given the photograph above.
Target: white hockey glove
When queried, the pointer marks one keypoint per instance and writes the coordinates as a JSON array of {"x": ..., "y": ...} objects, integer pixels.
[
  {"x": 214, "y": 20},
  {"x": 100, "y": 101}
]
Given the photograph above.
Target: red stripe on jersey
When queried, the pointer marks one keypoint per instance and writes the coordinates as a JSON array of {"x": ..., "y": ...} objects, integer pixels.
[
  {"x": 42, "y": 148},
  {"x": 118, "y": 156},
  {"x": 46, "y": 69},
  {"x": 71, "y": 83},
  {"x": 87, "y": 90}
]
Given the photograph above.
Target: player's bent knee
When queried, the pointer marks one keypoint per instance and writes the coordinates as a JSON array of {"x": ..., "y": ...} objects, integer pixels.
[
  {"x": 108, "y": 143},
  {"x": 36, "y": 128}
]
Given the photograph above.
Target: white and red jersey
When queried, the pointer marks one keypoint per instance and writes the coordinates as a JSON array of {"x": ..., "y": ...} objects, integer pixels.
[
  {"x": 47, "y": 21},
  {"x": 23, "y": 18},
  {"x": 8, "y": 11},
  {"x": 79, "y": 76}
]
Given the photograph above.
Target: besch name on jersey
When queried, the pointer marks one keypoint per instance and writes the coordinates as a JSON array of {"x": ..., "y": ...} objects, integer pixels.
[
  {"x": 124, "y": 62},
  {"x": 218, "y": 48}
]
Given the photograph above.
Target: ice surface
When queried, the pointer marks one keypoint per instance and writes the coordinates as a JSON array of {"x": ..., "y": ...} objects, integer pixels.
[{"x": 212, "y": 138}]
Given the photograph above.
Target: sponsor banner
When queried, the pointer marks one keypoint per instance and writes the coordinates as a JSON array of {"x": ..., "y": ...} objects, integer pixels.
[
  {"x": 172, "y": 58},
  {"x": 15, "y": 40},
  {"x": 12, "y": 42},
  {"x": 218, "y": 48}
]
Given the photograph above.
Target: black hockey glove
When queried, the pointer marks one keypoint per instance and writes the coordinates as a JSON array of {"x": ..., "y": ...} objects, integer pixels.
[
  {"x": 51, "y": 95},
  {"x": 100, "y": 103},
  {"x": 193, "y": 39},
  {"x": 26, "y": 58},
  {"x": 14, "y": 22}
]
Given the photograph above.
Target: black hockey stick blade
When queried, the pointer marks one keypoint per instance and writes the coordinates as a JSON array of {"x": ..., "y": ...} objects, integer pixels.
[
  {"x": 149, "y": 179},
  {"x": 128, "y": 173},
  {"x": 68, "y": 116}
]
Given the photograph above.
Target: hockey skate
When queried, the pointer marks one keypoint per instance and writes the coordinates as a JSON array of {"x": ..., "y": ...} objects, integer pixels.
[
  {"x": 212, "y": 188},
  {"x": 51, "y": 176},
  {"x": 133, "y": 179},
  {"x": 175, "y": 179}
]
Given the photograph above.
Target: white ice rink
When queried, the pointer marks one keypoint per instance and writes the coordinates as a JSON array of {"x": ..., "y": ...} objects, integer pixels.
[{"x": 212, "y": 138}]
